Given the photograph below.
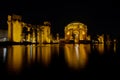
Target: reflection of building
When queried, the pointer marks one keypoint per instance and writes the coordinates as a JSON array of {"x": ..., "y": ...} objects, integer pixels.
[
  {"x": 15, "y": 58},
  {"x": 76, "y": 31},
  {"x": 99, "y": 48},
  {"x": 39, "y": 53},
  {"x": 46, "y": 54},
  {"x": 76, "y": 55}
]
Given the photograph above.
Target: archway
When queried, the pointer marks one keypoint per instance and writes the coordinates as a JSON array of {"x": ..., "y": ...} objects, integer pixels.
[{"x": 76, "y": 31}]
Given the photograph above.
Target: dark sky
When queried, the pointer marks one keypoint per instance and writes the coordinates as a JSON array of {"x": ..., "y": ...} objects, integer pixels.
[{"x": 100, "y": 16}]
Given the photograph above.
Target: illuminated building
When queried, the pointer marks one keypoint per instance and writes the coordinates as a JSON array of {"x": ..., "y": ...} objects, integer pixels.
[
  {"x": 76, "y": 31},
  {"x": 89, "y": 37},
  {"x": 101, "y": 38},
  {"x": 57, "y": 37},
  {"x": 19, "y": 31},
  {"x": 14, "y": 28},
  {"x": 45, "y": 32}
]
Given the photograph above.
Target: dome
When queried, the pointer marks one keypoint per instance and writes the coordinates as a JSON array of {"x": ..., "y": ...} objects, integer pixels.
[{"x": 74, "y": 25}]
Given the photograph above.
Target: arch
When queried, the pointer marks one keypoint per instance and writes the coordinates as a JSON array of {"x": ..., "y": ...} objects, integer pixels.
[{"x": 75, "y": 31}]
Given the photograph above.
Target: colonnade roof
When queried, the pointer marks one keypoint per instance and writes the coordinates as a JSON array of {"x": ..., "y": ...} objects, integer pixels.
[{"x": 73, "y": 25}]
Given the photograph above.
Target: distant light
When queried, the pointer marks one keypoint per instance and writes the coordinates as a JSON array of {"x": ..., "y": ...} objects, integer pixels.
[
  {"x": 77, "y": 51},
  {"x": 68, "y": 33},
  {"x": 83, "y": 32},
  {"x": 4, "y": 39}
]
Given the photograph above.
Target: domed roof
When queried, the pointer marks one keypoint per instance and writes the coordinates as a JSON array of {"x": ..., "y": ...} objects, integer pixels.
[{"x": 76, "y": 24}]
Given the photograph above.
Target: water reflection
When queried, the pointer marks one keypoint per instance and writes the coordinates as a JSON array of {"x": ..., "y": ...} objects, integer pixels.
[
  {"x": 55, "y": 49},
  {"x": 29, "y": 53},
  {"x": 99, "y": 48},
  {"x": 4, "y": 54},
  {"x": 108, "y": 47},
  {"x": 88, "y": 48},
  {"x": 33, "y": 53},
  {"x": 46, "y": 54},
  {"x": 114, "y": 48},
  {"x": 76, "y": 55},
  {"x": 39, "y": 53},
  {"x": 15, "y": 59}
]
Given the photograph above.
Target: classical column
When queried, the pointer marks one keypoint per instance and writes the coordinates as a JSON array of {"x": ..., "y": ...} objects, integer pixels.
[{"x": 10, "y": 28}]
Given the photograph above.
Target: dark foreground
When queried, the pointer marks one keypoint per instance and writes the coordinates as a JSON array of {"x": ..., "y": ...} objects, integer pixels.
[{"x": 54, "y": 61}]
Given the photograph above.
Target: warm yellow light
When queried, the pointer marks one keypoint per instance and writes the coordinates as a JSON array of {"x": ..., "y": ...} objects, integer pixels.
[
  {"x": 46, "y": 54},
  {"x": 14, "y": 28},
  {"x": 17, "y": 31},
  {"x": 68, "y": 33},
  {"x": 76, "y": 30},
  {"x": 88, "y": 48},
  {"x": 45, "y": 34},
  {"x": 29, "y": 53},
  {"x": 81, "y": 26},
  {"x": 83, "y": 32},
  {"x": 38, "y": 54},
  {"x": 33, "y": 53},
  {"x": 101, "y": 48},
  {"x": 114, "y": 47},
  {"x": 15, "y": 58},
  {"x": 75, "y": 55}
]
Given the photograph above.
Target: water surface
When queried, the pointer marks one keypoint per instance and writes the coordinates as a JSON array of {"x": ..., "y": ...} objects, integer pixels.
[{"x": 59, "y": 60}]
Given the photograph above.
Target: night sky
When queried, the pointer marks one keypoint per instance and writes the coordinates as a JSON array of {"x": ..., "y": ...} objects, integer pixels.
[{"x": 100, "y": 16}]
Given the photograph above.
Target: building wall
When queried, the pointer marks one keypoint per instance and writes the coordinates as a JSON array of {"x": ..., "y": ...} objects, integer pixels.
[
  {"x": 9, "y": 28},
  {"x": 17, "y": 31},
  {"x": 14, "y": 28},
  {"x": 39, "y": 34},
  {"x": 45, "y": 34}
]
